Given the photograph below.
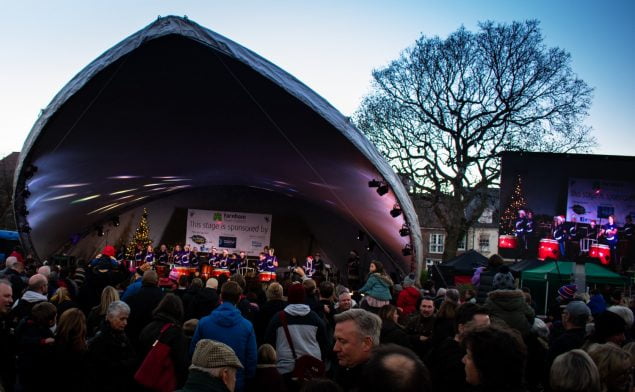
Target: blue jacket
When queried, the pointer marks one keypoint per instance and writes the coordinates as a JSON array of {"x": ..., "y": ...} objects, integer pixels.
[
  {"x": 132, "y": 289},
  {"x": 378, "y": 286},
  {"x": 226, "y": 325}
]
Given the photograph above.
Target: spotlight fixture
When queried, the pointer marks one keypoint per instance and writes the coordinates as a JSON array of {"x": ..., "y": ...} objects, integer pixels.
[
  {"x": 407, "y": 250},
  {"x": 25, "y": 192},
  {"x": 100, "y": 231},
  {"x": 115, "y": 221},
  {"x": 374, "y": 183},
  {"x": 25, "y": 228},
  {"x": 404, "y": 231},
  {"x": 396, "y": 211},
  {"x": 29, "y": 171},
  {"x": 361, "y": 235},
  {"x": 382, "y": 190},
  {"x": 24, "y": 211},
  {"x": 370, "y": 246}
]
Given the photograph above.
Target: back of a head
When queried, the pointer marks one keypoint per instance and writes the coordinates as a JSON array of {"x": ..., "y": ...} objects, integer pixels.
[
  {"x": 197, "y": 283},
  {"x": 37, "y": 281},
  {"x": 326, "y": 289},
  {"x": 212, "y": 283},
  {"x": 624, "y": 312},
  {"x": 613, "y": 363},
  {"x": 170, "y": 306},
  {"x": 267, "y": 354},
  {"x": 274, "y": 291},
  {"x": 238, "y": 278},
  {"x": 150, "y": 278},
  {"x": 498, "y": 353},
  {"x": 309, "y": 286},
  {"x": 495, "y": 261},
  {"x": 43, "y": 313},
  {"x": 44, "y": 270},
  {"x": 230, "y": 292},
  {"x": 394, "y": 368},
  {"x": 574, "y": 371}
]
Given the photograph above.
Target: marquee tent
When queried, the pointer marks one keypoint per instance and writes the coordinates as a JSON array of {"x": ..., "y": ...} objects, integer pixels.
[{"x": 177, "y": 116}]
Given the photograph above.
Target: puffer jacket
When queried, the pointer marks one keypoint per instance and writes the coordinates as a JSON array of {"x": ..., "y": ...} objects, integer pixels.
[
  {"x": 510, "y": 306},
  {"x": 378, "y": 286},
  {"x": 486, "y": 283}
]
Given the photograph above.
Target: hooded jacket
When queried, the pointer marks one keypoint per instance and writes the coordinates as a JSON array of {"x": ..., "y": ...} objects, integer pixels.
[
  {"x": 307, "y": 331},
  {"x": 407, "y": 300},
  {"x": 226, "y": 325},
  {"x": 510, "y": 306},
  {"x": 378, "y": 286}
]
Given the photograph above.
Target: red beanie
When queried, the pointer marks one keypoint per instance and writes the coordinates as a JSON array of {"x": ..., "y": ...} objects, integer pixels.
[
  {"x": 296, "y": 294},
  {"x": 109, "y": 250}
]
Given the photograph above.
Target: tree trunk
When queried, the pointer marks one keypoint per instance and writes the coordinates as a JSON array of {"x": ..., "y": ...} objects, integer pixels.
[{"x": 452, "y": 236}]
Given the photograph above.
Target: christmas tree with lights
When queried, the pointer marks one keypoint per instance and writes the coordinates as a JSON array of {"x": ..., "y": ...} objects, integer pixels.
[
  {"x": 516, "y": 202},
  {"x": 140, "y": 236}
]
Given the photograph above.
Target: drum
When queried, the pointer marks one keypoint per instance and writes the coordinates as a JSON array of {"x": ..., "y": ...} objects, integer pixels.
[
  {"x": 548, "y": 249},
  {"x": 206, "y": 271},
  {"x": 507, "y": 242},
  {"x": 266, "y": 276},
  {"x": 601, "y": 252},
  {"x": 180, "y": 271},
  {"x": 220, "y": 271},
  {"x": 162, "y": 270}
]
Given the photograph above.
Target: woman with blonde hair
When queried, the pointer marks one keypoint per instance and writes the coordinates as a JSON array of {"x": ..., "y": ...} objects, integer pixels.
[
  {"x": 62, "y": 300},
  {"x": 574, "y": 371},
  {"x": 267, "y": 378},
  {"x": 614, "y": 365},
  {"x": 97, "y": 315}
]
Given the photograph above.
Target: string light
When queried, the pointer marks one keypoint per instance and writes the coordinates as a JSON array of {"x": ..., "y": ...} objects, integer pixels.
[
  {"x": 141, "y": 236},
  {"x": 516, "y": 202}
]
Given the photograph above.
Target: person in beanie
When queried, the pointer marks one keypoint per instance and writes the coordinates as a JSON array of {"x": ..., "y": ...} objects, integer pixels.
[
  {"x": 306, "y": 328},
  {"x": 214, "y": 368}
]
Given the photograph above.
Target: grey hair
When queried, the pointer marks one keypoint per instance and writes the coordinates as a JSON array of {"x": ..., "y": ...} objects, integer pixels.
[
  {"x": 117, "y": 307},
  {"x": 368, "y": 324},
  {"x": 623, "y": 312}
]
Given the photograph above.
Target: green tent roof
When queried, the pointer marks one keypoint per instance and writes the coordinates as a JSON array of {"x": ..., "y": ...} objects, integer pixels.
[{"x": 562, "y": 270}]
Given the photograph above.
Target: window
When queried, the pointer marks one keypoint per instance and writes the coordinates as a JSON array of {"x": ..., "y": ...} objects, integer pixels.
[
  {"x": 436, "y": 243},
  {"x": 483, "y": 242},
  {"x": 461, "y": 243},
  {"x": 486, "y": 216}
]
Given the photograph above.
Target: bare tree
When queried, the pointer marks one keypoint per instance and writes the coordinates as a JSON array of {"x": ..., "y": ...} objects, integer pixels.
[
  {"x": 444, "y": 110},
  {"x": 7, "y": 167}
]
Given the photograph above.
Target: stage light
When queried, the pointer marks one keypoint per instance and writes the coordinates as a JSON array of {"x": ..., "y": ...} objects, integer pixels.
[
  {"x": 361, "y": 235},
  {"x": 396, "y": 211},
  {"x": 25, "y": 228},
  {"x": 25, "y": 192},
  {"x": 374, "y": 183},
  {"x": 370, "y": 246},
  {"x": 382, "y": 190},
  {"x": 115, "y": 221},
  {"x": 407, "y": 250},
  {"x": 404, "y": 231},
  {"x": 100, "y": 231},
  {"x": 29, "y": 171}
]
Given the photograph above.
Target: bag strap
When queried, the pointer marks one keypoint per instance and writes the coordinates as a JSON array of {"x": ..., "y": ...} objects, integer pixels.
[
  {"x": 283, "y": 318},
  {"x": 163, "y": 329}
]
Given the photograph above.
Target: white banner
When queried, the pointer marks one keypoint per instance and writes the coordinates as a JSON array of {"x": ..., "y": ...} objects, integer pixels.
[
  {"x": 597, "y": 199},
  {"x": 234, "y": 231}
]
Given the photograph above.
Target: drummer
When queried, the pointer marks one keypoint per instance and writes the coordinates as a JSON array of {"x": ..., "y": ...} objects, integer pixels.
[
  {"x": 609, "y": 232},
  {"x": 271, "y": 258},
  {"x": 267, "y": 265},
  {"x": 213, "y": 257},
  {"x": 233, "y": 263},
  {"x": 241, "y": 261},
  {"x": 561, "y": 235},
  {"x": 163, "y": 255},
  {"x": 138, "y": 256},
  {"x": 223, "y": 260},
  {"x": 530, "y": 240},
  {"x": 149, "y": 256},
  {"x": 309, "y": 267},
  {"x": 177, "y": 254},
  {"x": 519, "y": 230}
]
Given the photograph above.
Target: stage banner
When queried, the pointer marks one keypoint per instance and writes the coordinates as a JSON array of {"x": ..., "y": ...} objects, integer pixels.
[
  {"x": 590, "y": 199},
  {"x": 234, "y": 231}
]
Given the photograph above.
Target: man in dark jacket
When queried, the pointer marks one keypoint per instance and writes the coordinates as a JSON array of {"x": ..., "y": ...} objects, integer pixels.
[
  {"x": 142, "y": 304},
  {"x": 36, "y": 293},
  {"x": 14, "y": 273},
  {"x": 203, "y": 301},
  {"x": 7, "y": 340}
]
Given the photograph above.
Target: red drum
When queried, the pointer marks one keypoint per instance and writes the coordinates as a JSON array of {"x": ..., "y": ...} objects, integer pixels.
[
  {"x": 220, "y": 271},
  {"x": 507, "y": 242},
  {"x": 180, "y": 271},
  {"x": 162, "y": 271},
  {"x": 266, "y": 276},
  {"x": 548, "y": 249},
  {"x": 602, "y": 252},
  {"x": 206, "y": 271}
]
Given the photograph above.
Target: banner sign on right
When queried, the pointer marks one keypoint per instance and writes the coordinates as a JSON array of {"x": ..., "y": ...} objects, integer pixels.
[
  {"x": 590, "y": 199},
  {"x": 234, "y": 231}
]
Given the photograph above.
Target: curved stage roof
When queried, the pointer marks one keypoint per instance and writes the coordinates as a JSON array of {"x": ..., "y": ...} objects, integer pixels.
[{"x": 176, "y": 108}]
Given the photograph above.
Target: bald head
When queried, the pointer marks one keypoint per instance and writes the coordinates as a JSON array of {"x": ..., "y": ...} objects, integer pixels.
[
  {"x": 10, "y": 262},
  {"x": 38, "y": 283}
]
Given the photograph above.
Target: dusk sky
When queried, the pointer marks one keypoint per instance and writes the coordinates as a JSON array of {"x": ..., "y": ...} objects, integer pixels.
[{"x": 331, "y": 46}]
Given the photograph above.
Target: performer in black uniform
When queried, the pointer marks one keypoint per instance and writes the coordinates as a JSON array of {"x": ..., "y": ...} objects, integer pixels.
[
  {"x": 609, "y": 232},
  {"x": 561, "y": 235},
  {"x": 163, "y": 256},
  {"x": 519, "y": 230},
  {"x": 531, "y": 246}
]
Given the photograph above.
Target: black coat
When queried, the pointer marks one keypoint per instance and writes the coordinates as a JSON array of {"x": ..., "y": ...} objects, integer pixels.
[
  {"x": 111, "y": 361},
  {"x": 393, "y": 333},
  {"x": 141, "y": 306},
  {"x": 266, "y": 313},
  {"x": 33, "y": 355},
  {"x": 69, "y": 369},
  {"x": 486, "y": 284},
  {"x": 173, "y": 337},
  {"x": 200, "y": 303}
]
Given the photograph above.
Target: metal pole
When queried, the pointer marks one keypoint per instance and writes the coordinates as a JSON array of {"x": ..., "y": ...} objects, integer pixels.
[{"x": 546, "y": 293}]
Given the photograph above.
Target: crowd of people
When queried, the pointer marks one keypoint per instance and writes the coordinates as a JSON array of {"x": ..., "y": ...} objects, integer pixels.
[{"x": 91, "y": 327}]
